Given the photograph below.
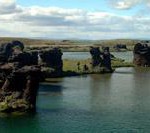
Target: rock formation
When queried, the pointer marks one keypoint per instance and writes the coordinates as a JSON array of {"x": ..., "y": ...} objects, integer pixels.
[
  {"x": 141, "y": 55},
  {"x": 52, "y": 58},
  {"x": 107, "y": 58},
  {"x": 101, "y": 59},
  {"x": 19, "y": 74},
  {"x": 120, "y": 47}
]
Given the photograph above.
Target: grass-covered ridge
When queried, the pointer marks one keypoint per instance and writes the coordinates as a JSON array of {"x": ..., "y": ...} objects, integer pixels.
[
  {"x": 111, "y": 42},
  {"x": 72, "y": 45}
]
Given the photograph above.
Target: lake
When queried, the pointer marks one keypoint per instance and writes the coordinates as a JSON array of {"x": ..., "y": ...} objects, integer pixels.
[
  {"x": 127, "y": 56},
  {"x": 105, "y": 103}
]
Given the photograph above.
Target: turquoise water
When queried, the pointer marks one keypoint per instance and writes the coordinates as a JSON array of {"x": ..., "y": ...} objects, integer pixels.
[{"x": 110, "y": 103}]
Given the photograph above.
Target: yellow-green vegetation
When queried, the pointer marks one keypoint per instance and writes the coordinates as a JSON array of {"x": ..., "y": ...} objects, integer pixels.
[
  {"x": 9, "y": 103},
  {"x": 28, "y": 42},
  {"x": 78, "y": 65},
  {"x": 121, "y": 63},
  {"x": 72, "y": 65},
  {"x": 71, "y": 45}
]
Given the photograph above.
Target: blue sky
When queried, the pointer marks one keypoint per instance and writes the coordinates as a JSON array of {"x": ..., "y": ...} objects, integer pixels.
[
  {"x": 90, "y": 5},
  {"x": 78, "y": 19}
]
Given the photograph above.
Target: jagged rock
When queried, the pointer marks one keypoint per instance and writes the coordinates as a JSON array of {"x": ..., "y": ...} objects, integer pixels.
[
  {"x": 141, "y": 55},
  {"x": 96, "y": 56},
  {"x": 20, "y": 75},
  {"x": 21, "y": 85},
  {"x": 53, "y": 59},
  {"x": 107, "y": 59},
  {"x": 7, "y": 49},
  {"x": 101, "y": 59},
  {"x": 24, "y": 58}
]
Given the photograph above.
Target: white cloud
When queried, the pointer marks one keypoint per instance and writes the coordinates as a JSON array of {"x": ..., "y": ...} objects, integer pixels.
[
  {"x": 9, "y": 7},
  {"x": 54, "y": 22},
  {"x": 124, "y": 4},
  {"x": 128, "y": 4}
]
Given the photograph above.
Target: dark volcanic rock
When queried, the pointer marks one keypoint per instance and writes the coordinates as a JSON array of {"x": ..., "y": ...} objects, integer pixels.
[
  {"x": 141, "y": 55},
  {"x": 7, "y": 49},
  {"x": 101, "y": 59},
  {"x": 52, "y": 58},
  {"x": 119, "y": 47},
  {"x": 20, "y": 85},
  {"x": 107, "y": 58},
  {"x": 20, "y": 77},
  {"x": 96, "y": 56},
  {"x": 24, "y": 58}
]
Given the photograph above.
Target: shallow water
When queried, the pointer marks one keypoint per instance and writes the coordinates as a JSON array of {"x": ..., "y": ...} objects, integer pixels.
[{"x": 109, "y": 103}]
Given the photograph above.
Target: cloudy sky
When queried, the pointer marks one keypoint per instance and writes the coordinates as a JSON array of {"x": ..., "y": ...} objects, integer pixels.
[{"x": 75, "y": 19}]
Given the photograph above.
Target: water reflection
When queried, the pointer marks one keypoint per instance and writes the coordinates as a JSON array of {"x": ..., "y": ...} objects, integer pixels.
[
  {"x": 52, "y": 87},
  {"x": 141, "y": 85},
  {"x": 118, "y": 102},
  {"x": 100, "y": 86}
]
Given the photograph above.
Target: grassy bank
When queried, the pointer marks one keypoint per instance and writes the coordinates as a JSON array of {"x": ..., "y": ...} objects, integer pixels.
[{"x": 72, "y": 65}]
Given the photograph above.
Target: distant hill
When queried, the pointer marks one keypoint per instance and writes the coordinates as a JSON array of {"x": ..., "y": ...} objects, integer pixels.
[
  {"x": 42, "y": 42},
  {"x": 27, "y": 41}
]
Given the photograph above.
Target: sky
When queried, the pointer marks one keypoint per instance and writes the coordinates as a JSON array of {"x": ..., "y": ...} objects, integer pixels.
[{"x": 75, "y": 19}]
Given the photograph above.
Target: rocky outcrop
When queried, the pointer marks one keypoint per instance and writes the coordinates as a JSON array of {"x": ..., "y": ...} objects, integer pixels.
[
  {"x": 19, "y": 74},
  {"x": 53, "y": 59},
  {"x": 101, "y": 59},
  {"x": 7, "y": 49},
  {"x": 120, "y": 47},
  {"x": 107, "y": 59},
  {"x": 96, "y": 57},
  {"x": 19, "y": 89},
  {"x": 141, "y": 55}
]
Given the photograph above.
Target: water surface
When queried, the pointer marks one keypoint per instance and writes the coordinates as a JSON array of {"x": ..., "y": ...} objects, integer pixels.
[
  {"x": 109, "y": 103},
  {"x": 127, "y": 56}
]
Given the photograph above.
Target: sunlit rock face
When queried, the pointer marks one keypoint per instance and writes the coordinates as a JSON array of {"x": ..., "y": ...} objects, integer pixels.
[
  {"x": 141, "y": 55},
  {"x": 19, "y": 74}
]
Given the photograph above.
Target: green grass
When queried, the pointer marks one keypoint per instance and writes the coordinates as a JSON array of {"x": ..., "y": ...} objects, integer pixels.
[{"x": 71, "y": 65}]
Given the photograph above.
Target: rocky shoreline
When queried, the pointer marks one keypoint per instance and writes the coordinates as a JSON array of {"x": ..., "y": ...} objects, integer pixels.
[{"x": 21, "y": 71}]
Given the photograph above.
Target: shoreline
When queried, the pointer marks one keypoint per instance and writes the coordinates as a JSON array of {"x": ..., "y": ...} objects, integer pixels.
[{"x": 70, "y": 68}]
